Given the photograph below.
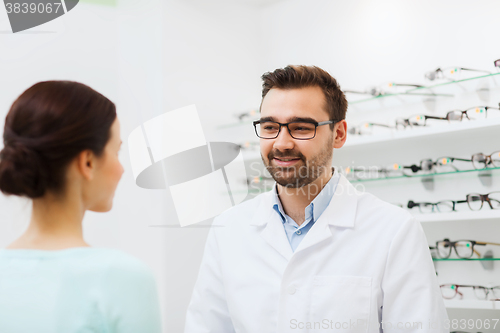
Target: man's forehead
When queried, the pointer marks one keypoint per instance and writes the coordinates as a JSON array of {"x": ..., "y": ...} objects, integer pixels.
[{"x": 300, "y": 102}]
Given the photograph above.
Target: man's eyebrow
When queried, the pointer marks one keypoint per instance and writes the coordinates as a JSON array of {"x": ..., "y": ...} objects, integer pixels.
[
  {"x": 304, "y": 119},
  {"x": 267, "y": 119}
]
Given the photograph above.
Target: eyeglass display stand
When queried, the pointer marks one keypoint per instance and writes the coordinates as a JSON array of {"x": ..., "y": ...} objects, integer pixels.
[
  {"x": 485, "y": 177},
  {"x": 488, "y": 265},
  {"x": 428, "y": 183}
]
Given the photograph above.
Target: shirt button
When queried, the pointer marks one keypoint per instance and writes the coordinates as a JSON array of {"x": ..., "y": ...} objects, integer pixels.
[
  {"x": 292, "y": 290},
  {"x": 298, "y": 232}
]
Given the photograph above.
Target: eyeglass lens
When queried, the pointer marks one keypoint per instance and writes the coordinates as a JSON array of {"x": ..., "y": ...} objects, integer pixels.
[{"x": 270, "y": 130}]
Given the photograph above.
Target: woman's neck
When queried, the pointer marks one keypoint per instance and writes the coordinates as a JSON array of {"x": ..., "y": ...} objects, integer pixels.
[{"x": 56, "y": 223}]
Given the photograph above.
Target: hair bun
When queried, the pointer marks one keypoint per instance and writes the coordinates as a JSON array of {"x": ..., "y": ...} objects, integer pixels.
[{"x": 22, "y": 171}]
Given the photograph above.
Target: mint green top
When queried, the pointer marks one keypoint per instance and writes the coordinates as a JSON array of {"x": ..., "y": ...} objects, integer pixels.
[{"x": 82, "y": 289}]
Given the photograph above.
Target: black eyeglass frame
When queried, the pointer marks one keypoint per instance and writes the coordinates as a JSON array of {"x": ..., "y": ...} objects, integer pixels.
[
  {"x": 412, "y": 204},
  {"x": 321, "y": 123}
]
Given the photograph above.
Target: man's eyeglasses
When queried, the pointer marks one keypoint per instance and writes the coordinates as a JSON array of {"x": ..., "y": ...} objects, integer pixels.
[
  {"x": 449, "y": 291},
  {"x": 463, "y": 248},
  {"x": 450, "y": 73},
  {"x": 299, "y": 130}
]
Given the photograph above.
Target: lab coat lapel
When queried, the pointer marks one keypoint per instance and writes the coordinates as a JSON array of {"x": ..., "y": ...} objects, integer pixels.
[
  {"x": 272, "y": 228},
  {"x": 340, "y": 212}
]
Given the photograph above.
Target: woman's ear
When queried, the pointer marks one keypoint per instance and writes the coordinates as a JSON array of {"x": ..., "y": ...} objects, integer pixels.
[{"x": 86, "y": 164}]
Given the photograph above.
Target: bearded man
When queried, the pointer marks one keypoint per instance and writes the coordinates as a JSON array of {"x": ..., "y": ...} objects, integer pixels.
[{"x": 313, "y": 254}]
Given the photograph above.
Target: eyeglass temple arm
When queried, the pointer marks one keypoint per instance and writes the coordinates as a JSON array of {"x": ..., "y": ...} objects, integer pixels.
[
  {"x": 434, "y": 117},
  {"x": 474, "y": 70},
  {"x": 412, "y": 204},
  {"x": 327, "y": 122},
  {"x": 382, "y": 125},
  {"x": 407, "y": 85},
  {"x": 459, "y": 159},
  {"x": 492, "y": 107},
  {"x": 357, "y": 92},
  {"x": 486, "y": 243}
]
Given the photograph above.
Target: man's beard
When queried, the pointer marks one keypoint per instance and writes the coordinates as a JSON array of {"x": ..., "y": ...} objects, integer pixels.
[{"x": 304, "y": 172}]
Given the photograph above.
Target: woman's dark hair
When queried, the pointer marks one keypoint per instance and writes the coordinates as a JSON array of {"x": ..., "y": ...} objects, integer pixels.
[{"x": 46, "y": 127}]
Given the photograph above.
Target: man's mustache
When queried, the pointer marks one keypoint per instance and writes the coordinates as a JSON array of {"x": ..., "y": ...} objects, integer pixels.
[{"x": 278, "y": 154}]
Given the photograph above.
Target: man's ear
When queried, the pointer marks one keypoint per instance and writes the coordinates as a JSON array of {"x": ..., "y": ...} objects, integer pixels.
[
  {"x": 340, "y": 134},
  {"x": 86, "y": 164}
]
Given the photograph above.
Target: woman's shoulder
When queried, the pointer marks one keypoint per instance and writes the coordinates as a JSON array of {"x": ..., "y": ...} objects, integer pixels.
[
  {"x": 122, "y": 262},
  {"x": 81, "y": 259}
]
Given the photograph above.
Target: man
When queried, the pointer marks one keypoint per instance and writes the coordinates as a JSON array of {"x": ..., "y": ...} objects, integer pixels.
[{"x": 313, "y": 254}]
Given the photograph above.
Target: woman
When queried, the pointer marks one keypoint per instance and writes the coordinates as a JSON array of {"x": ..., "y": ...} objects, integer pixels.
[{"x": 61, "y": 143}]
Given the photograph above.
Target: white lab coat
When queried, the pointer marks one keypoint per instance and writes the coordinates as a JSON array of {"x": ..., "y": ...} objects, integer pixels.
[{"x": 362, "y": 262}]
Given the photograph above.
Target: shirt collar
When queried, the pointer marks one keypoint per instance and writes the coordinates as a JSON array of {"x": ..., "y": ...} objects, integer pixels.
[{"x": 317, "y": 206}]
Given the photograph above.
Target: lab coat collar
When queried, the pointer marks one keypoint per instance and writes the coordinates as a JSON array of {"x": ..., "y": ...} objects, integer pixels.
[{"x": 341, "y": 211}]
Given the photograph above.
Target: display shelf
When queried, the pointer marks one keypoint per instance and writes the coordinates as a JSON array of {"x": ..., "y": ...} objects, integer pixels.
[
  {"x": 428, "y": 132},
  {"x": 471, "y": 304},
  {"x": 486, "y": 214},
  {"x": 442, "y": 89},
  {"x": 422, "y": 175},
  {"x": 460, "y": 259}
]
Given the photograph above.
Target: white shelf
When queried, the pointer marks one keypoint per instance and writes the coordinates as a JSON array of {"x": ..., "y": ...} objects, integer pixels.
[
  {"x": 471, "y": 304},
  {"x": 491, "y": 125},
  {"x": 485, "y": 214}
]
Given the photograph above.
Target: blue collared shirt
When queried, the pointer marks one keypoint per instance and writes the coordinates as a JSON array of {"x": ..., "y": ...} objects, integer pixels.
[{"x": 313, "y": 211}]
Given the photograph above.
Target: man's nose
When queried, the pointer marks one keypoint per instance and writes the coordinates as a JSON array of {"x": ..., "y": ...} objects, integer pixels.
[{"x": 284, "y": 141}]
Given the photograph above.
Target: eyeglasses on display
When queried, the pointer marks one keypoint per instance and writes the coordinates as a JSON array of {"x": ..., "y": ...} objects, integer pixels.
[
  {"x": 473, "y": 113},
  {"x": 383, "y": 89},
  {"x": 365, "y": 128},
  {"x": 249, "y": 114},
  {"x": 260, "y": 180},
  {"x": 249, "y": 145},
  {"x": 299, "y": 130},
  {"x": 373, "y": 172},
  {"x": 450, "y": 73},
  {"x": 433, "y": 207},
  {"x": 475, "y": 202},
  {"x": 450, "y": 291},
  {"x": 464, "y": 249},
  {"x": 446, "y": 164}
]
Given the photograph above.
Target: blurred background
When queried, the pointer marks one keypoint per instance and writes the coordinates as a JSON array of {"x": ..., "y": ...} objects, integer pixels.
[{"x": 154, "y": 56}]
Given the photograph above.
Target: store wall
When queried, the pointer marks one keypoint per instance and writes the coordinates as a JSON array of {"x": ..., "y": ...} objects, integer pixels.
[
  {"x": 364, "y": 42},
  {"x": 211, "y": 59}
]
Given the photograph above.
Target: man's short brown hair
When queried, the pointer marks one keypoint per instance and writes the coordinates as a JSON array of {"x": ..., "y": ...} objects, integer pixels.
[{"x": 293, "y": 77}]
